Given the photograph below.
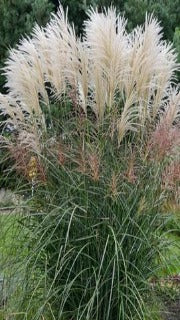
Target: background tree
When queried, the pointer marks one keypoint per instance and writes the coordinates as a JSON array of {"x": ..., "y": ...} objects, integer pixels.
[
  {"x": 176, "y": 41},
  {"x": 17, "y": 19}
]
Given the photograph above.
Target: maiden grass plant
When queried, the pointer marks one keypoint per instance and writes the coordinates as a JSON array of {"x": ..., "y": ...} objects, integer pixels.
[
  {"x": 93, "y": 240},
  {"x": 94, "y": 130}
]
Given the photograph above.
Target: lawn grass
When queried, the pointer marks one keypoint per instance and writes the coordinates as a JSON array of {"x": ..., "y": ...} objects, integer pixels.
[
  {"x": 12, "y": 249},
  {"x": 173, "y": 256}
]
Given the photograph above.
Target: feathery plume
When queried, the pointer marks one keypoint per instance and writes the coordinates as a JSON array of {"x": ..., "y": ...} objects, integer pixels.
[
  {"x": 107, "y": 70},
  {"x": 152, "y": 64},
  {"x": 106, "y": 41},
  {"x": 128, "y": 119}
]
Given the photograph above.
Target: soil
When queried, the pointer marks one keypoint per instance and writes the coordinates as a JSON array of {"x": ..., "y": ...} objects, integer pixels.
[{"x": 172, "y": 310}]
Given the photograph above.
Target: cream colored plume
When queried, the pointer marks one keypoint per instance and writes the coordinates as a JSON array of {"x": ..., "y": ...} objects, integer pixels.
[
  {"x": 171, "y": 115},
  {"x": 104, "y": 70},
  {"x": 152, "y": 65},
  {"x": 106, "y": 40},
  {"x": 128, "y": 119},
  {"x": 28, "y": 129}
]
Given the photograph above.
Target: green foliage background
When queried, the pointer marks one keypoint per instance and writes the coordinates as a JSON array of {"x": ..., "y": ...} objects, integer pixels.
[
  {"x": 17, "y": 18},
  {"x": 167, "y": 11}
]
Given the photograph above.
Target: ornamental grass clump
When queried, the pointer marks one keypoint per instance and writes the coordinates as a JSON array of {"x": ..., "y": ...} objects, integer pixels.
[{"x": 96, "y": 119}]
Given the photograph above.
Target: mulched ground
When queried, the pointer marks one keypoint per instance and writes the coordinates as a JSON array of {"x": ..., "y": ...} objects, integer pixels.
[
  {"x": 170, "y": 305},
  {"x": 172, "y": 310}
]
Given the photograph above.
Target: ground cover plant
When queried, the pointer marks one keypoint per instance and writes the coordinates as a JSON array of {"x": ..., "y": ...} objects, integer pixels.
[{"x": 91, "y": 136}]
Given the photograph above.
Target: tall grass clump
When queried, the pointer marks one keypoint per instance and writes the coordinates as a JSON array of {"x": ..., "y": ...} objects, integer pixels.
[{"x": 91, "y": 133}]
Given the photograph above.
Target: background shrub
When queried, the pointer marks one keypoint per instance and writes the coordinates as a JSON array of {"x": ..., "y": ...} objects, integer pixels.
[{"x": 17, "y": 19}]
